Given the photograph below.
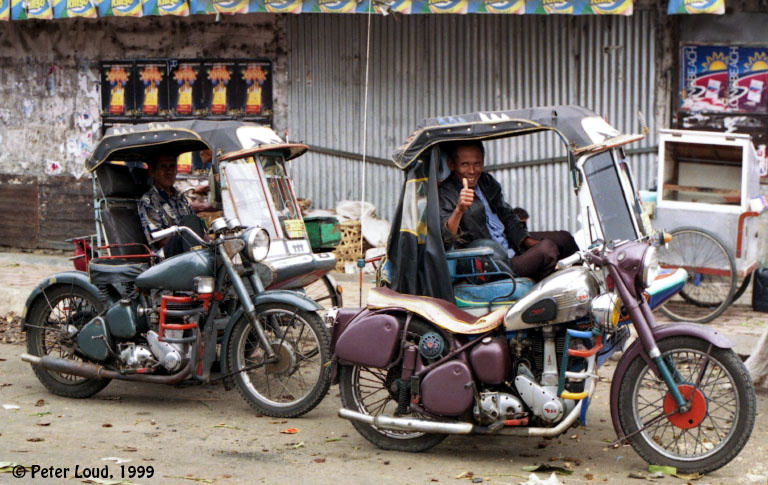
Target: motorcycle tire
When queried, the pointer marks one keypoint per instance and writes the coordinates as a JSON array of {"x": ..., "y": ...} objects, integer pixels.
[
  {"x": 721, "y": 418},
  {"x": 64, "y": 305},
  {"x": 299, "y": 380},
  {"x": 358, "y": 384}
]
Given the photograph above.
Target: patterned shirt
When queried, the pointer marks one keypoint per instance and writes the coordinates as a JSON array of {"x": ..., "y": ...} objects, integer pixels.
[{"x": 159, "y": 210}]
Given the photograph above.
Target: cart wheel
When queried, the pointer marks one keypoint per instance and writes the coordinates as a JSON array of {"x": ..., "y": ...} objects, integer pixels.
[
  {"x": 743, "y": 285},
  {"x": 324, "y": 291},
  {"x": 711, "y": 275}
]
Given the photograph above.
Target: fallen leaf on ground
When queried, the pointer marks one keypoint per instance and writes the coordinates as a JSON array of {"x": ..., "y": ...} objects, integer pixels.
[
  {"x": 636, "y": 475},
  {"x": 227, "y": 426},
  {"x": 40, "y": 402},
  {"x": 10, "y": 407},
  {"x": 465, "y": 475},
  {"x": 331, "y": 440},
  {"x": 296, "y": 446},
  {"x": 319, "y": 460},
  {"x": 35, "y": 440},
  {"x": 688, "y": 476},
  {"x": 43, "y": 424},
  {"x": 129, "y": 449},
  {"x": 666, "y": 470},
  {"x": 589, "y": 476},
  {"x": 41, "y": 414},
  {"x": 547, "y": 468},
  {"x": 194, "y": 479},
  {"x": 290, "y": 431},
  {"x": 106, "y": 425},
  {"x": 278, "y": 422},
  {"x": 116, "y": 459}
]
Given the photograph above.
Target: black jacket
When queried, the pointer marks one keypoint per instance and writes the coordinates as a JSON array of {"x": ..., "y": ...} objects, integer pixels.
[{"x": 473, "y": 222}]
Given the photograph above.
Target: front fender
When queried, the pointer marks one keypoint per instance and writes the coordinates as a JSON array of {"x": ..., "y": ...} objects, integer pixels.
[
  {"x": 75, "y": 278},
  {"x": 288, "y": 297},
  {"x": 659, "y": 333}
]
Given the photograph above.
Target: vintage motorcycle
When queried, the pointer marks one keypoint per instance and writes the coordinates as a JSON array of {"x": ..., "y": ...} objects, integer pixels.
[
  {"x": 413, "y": 369},
  {"x": 133, "y": 317}
]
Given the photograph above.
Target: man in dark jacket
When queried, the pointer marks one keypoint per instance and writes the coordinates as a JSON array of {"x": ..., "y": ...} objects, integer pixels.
[{"x": 472, "y": 207}]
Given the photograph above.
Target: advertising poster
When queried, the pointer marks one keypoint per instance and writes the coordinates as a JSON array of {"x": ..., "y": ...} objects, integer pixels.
[
  {"x": 185, "y": 89},
  {"x": 716, "y": 7},
  {"x": 31, "y": 9},
  {"x": 117, "y": 95},
  {"x": 151, "y": 88},
  {"x": 704, "y": 78},
  {"x": 179, "y": 8},
  {"x": 219, "y": 92},
  {"x": 255, "y": 81},
  {"x": 5, "y": 10},
  {"x": 727, "y": 79},
  {"x": 283, "y": 6},
  {"x": 64, "y": 9},
  {"x": 121, "y": 8}
]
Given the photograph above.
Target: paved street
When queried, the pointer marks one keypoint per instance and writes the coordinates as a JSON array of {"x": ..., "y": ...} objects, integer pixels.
[{"x": 204, "y": 434}]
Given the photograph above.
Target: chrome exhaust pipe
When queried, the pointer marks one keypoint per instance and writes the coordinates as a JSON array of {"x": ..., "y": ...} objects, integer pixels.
[
  {"x": 407, "y": 424},
  {"x": 95, "y": 371}
]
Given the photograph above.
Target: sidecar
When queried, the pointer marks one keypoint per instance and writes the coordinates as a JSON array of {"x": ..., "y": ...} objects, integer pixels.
[
  {"x": 257, "y": 190},
  {"x": 602, "y": 182}
]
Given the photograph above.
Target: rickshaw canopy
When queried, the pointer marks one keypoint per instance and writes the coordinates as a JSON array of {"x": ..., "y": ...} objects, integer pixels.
[
  {"x": 142, "y": 141},
  {"x": 415, "y": 250},
  {"x": 578, "y": 127}
]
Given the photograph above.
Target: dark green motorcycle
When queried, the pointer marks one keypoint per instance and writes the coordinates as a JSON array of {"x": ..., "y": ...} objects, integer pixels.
[{"x": 134, "y": 317}]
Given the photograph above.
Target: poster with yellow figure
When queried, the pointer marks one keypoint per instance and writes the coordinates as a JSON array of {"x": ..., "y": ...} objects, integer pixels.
[
  {"x": 255, "y": 84},
  {"x": 152, "y": 98},
  {"x": 185, "y": 88},
  {"x": 218, "y": 76},
  {"x": 117, "y": 89}
]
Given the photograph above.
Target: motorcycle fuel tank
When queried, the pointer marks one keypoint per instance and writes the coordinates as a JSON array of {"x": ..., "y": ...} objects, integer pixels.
[
  {"x": 178, "y": 273},
  {"x": 561, "y": 297}
]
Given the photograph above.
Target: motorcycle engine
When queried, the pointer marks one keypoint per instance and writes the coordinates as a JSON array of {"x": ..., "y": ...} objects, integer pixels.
[{"x": 497, "y": 406}]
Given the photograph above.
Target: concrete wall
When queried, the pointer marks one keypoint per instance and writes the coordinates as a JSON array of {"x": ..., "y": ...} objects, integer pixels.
[{"x": 49, "y": 78}]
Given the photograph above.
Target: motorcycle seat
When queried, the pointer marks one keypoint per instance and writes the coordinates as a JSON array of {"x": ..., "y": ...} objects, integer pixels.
[{"x": 441, "y": 313}]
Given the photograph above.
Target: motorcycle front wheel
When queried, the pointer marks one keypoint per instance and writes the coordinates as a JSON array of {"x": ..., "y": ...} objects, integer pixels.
[
  {"x": 720, "y": 419},
  {"x": 299, "y": 379},
  {"x": 52, "y": 331}
]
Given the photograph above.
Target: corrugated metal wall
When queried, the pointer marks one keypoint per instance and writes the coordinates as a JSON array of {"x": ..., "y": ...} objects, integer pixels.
[{"x": 427, "y": 65}]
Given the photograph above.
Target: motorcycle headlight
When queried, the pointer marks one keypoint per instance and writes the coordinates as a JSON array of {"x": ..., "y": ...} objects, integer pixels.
[
  {"x": 650, "y": 266},
  {"x": 606, "y": 310},
  {"x": 256, "y": 243}
]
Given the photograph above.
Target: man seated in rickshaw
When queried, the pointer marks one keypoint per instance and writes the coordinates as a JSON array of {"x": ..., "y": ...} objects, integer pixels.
[
  {"x": 163, "y": 206},
  {"x": 473, "y": 212}
]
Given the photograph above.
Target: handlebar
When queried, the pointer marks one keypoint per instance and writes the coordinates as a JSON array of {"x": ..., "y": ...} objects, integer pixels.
[
  {"x": 164, "y": 233},
  {"x": 569, "y": 261}
]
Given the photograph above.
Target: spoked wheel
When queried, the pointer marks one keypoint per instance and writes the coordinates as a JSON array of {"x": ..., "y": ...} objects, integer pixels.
[
  {"x": 372, "y": 391},
  {"x": 742, "y": 287},
  {"x": 299, "y": 379},
  {"x": 325, "y": 293},
  {"x": 711, "y": 275},
  {"x": 720, "y": 419},
  {"x": 375, "y": 392},
  {"x": 52, "y": 330}
]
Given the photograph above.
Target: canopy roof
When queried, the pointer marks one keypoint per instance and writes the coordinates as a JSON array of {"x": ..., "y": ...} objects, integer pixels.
[
  {"x": 567, "y": 121},
  {"x": 145, "y": 141}
]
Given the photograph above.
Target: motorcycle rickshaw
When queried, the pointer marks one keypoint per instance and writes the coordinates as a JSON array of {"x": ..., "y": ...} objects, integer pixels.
[
  {"x": 261, "y": 194},
  {"x": 135, "y": 316},
  {"x": 415, "y": 365}
]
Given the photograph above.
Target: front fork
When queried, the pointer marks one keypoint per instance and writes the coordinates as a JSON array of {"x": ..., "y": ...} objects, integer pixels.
[
  {"x": 644, "y": 321},
  {"x": 245, "y": 300}
]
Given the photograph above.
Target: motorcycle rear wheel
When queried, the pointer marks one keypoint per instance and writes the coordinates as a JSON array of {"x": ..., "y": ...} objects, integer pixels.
[
  {"x": 365, "y": 390},
  {"x": 47, "y": 334},
  {"x": 299, "y": 380},
  {"x": 717, "y": 426}
]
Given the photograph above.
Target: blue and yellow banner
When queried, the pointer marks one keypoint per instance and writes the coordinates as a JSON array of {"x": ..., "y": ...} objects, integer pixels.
[
  {"x": 48, "y": 9},
  {"x": 716, "y": 7}
]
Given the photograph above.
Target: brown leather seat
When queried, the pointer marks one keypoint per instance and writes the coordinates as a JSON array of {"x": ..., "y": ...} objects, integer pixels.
[{"x": 439, "y": 312}]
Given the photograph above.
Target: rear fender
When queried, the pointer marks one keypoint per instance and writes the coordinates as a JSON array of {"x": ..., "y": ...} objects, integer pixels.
[
  {"x": 67, "y": 278},
  {"x": 659, "y": 333}
]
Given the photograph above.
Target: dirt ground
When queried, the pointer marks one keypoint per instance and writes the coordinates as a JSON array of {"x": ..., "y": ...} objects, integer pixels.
[{"x": 205, "y": 434}]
